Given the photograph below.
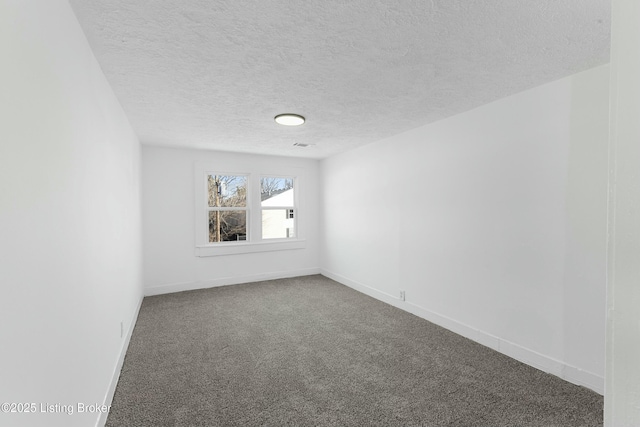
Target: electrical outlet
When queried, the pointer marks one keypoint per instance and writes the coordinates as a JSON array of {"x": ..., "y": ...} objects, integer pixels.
[{"x": 402, "y": 296}]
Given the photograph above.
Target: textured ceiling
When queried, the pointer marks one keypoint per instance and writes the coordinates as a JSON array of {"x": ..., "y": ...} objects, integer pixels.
[{"x": 213, "y": 74}]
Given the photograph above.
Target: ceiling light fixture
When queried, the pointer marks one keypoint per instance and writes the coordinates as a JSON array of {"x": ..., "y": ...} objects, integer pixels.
[{"x": 289, "y": 119}]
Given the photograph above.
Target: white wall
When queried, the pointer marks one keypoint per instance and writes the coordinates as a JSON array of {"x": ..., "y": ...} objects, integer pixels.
[
  {"x": 622, "y": 398},
  {"x": 493, "y": 222},
  {"x": 170, "y": 263},
  {"x": 70, "y": 250}
]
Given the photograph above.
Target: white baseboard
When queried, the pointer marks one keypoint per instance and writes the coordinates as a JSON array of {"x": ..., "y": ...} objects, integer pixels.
[
  {"x": 530, "y": 357},
  {"x": 102, "y": 419},
  {"x": 374, "y": 293},
  {"x": 224, "y": 281},
  {"x": 584, "y": 378}
]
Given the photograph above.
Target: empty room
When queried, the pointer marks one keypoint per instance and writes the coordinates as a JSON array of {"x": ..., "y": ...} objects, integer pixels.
[{"x": 322, "y": 213}]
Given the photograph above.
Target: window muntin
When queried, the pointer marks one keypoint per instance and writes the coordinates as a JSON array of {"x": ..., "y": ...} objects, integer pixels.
[
  {"x": 277, "y": 203},
  {"x": 227, "y": 207}
]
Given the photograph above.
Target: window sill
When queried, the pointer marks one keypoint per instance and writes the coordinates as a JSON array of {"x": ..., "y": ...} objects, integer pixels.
[{"x": 249, "y": 247}]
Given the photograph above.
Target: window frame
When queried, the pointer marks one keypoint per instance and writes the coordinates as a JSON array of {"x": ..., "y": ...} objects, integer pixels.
[
  {"x": 287, "y": 208},
  {"x": 244, "y": 208},
  {"x": 254, "y": 242}
]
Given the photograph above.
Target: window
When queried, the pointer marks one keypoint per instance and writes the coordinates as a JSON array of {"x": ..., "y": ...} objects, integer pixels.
[
  {"x": 250, "y": 211},
  {"x": 277, "y": 201},
  {"x": 227, "y": 207}
]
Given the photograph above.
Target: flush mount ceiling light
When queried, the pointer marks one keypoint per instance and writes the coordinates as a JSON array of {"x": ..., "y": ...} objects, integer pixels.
[{"x": 289, "y": 119}]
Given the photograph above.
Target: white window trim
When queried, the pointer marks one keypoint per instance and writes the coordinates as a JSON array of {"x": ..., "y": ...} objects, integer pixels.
[
  {"x": 254, "y": 242},
  {"x": 250, "y": 247}
]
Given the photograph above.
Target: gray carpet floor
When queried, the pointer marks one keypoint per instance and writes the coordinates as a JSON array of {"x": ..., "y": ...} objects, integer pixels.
[{"x": 311, "y": 352}]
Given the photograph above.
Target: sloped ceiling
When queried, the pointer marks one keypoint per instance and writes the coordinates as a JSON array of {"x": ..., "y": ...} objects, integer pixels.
[{"x": 212, "y": 74}]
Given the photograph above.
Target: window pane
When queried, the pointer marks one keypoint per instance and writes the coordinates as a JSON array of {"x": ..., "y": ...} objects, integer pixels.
[
  {"x": 227, "y": 226},
  {"x": 277, "y": 224},
  {"x": 276, "y": 191},
  {"x": 227, "y": 190}
]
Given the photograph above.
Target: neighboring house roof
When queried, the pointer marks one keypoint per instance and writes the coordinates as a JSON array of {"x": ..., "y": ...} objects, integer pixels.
[{"x": 282, "y": 199}]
